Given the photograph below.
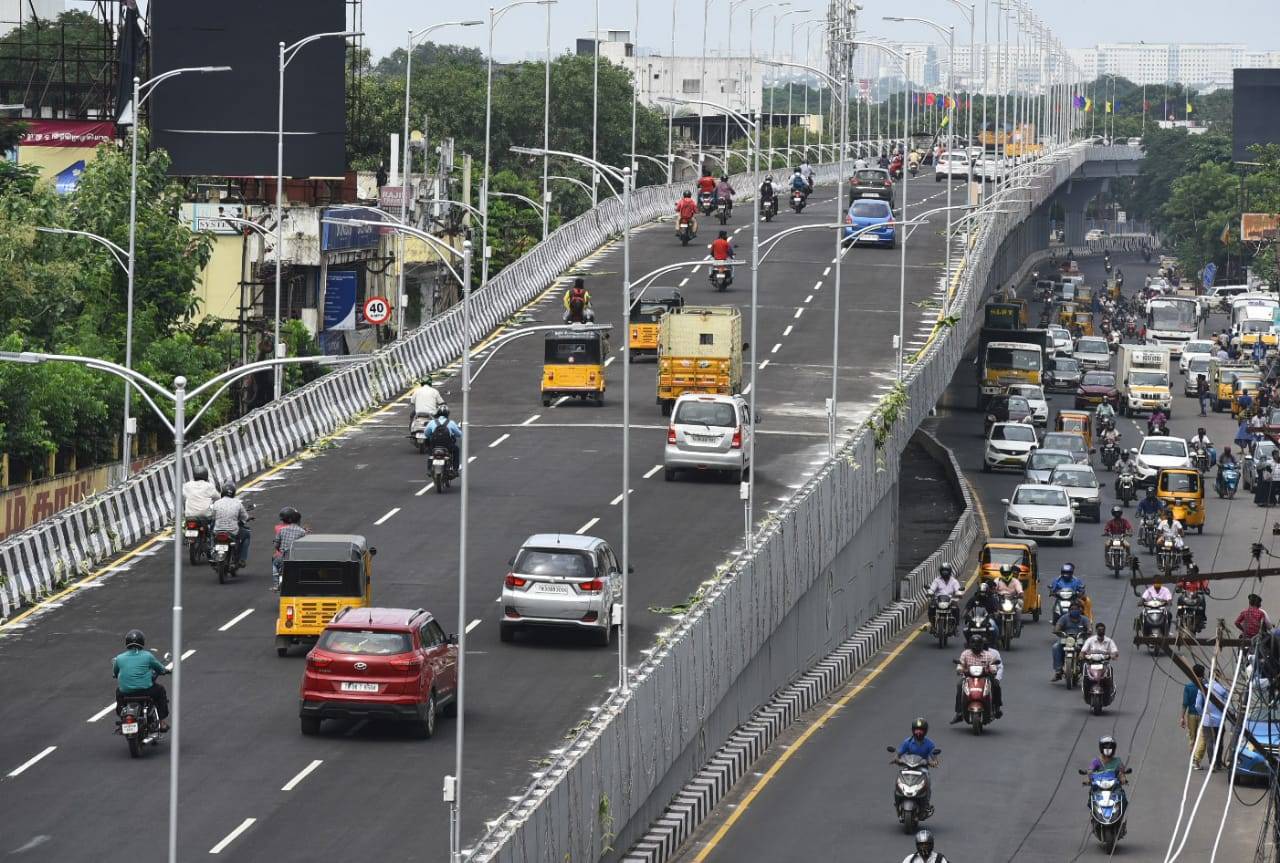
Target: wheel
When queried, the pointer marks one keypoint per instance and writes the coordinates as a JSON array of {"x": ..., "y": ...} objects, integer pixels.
[
  {"x": 986, "y": 468},
  {"x": 135, "y": 745},
  {"x": 426, "y": 726},
  {"x": 193, "y": 554},
  {"x": 223, "y": 568},
  {"x": 684, "y": 241},
  {"x": 669, "y": 474},
  {"x": 506, "y": 633},
  {"x": 910, "y": 820},
  {"x": 1095, "y": 704},
  {"x": 604, "y": 636},
  {"x": 1035, "y": 616},
  {"x": 546, "y": 402},
  {"x": 666, "y": 408},
  {"x": 942, "y": 641},
  {"x": 310, "y": 725},
  {"x": 976, "y": 723},
  {"x": 440, "y": 485},
  {"x": 1200, "y": 529},
  {"x": 282, "y": 651},
  {"x": 282, "y": 646}
]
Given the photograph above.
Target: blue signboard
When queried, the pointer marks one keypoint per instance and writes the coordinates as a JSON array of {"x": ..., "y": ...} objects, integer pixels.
[
  {"x": 1210, "y": 272},
  {"x": 340, "y": 300},
  {"x": 66, "y": 180},
  {"x": 336, "y": 238}
]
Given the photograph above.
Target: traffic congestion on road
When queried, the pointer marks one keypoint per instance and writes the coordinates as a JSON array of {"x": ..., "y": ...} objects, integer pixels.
[
  {"x": 1012, "y": 721},
  {"x": 334, "y": 705}
]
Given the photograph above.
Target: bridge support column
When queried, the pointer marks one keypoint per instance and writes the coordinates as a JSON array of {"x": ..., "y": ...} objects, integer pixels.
[{"x": 1075, "y": 198}]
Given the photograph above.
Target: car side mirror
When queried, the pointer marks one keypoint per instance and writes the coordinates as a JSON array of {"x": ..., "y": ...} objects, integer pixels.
[
  {"x": 630, "y": 570},
  {"x": 1005, "y": 501},
  {"x": 890, "y": 749},
  {"x": 451, "y": 638},
  {"x": 1083, "y": 772},
  {"x": 373, "y": 551}
]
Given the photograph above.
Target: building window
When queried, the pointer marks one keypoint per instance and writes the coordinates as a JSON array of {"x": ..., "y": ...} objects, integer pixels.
[{"x": 690, "y": 86}]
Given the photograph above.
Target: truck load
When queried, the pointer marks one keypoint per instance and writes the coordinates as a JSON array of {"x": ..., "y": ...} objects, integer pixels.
[
  {"x": 1143, "y": 379},
  {"x": 699, "y": 351}
]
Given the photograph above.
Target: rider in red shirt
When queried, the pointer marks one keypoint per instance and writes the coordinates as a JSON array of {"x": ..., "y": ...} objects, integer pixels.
[
  {"x": 687, "y": 210},
  {"x": 706, "y": 183},
  {"x": 722, "y": 250}
]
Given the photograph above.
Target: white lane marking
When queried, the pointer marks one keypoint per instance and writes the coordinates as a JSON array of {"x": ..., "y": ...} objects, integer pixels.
[
  {"x": 586, "y": 527},
  {"x": 388, "y": 516},
  {"x": 695, "y": 269},
  {"x": 817, "y": 286},
  {"x": 21, "y": 768},
  {"x": 531, "y": 420},
  {"x": 826, "y": 272},
  {"x": 101, "y": 713},
  {"x": 231, "y": 837},
  {"x": 809, "y": 299},
  {"x": 499, "y": 441},
  {"x": 617, "y": 500},
  {"x": 186, "y": 654},
  {"x": 683, "y": 282},
  {"x": 426, "y": 488},
  {"x": 233, "y": 621},
  {"x": 473, "y": 624},
  {"x": 800, "y": 311},
  {"x": 787, "y": 331},
  {"x": 747, "y": 390},
  {"x": 610, "y": 360},
  {"x": 559, "y": 401},
  {"x": 652, "y": 471},
  {"x": 776, "y": 348},
  {"x": 763, "y": 365},
  {"x": 470, "y": 459},
  {"x": 302, "y": 774}
]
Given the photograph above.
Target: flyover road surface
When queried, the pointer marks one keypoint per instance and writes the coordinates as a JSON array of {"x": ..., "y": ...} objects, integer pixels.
[
  {"x": 1012, "y": 794},
  {"x": 536, "y": 469}
]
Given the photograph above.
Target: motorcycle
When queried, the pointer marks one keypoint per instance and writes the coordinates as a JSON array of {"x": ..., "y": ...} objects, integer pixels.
[
  {"x": 719, "y": 278},
  {"x": 769, "y": 208},
  {"x": 1010, "y": 620},
  {"x": 139, "y": 721},
  {"x": 224, "y": 554},
  {"x": 1062, "y": 600},
  {"x": 1126, "y": 488},
  {"x": 1110, "y": 455},
  {"x": 797, "y": 200},
  {"x": 1098, "y": 688},
  {"x": 418, "y": 432},
  {"x": 1147, "y": 533},
  {"x": 706, "y": 203},
  {"x": 1168, "y": 556},
  {"x": 1153, "y": 620},
  {"x": 1108, "y": 806},
  {"x": 1228, "y": 481},
  {"x": 1157, "y": 426},
  {"x": 976, "y": 694},
  {"x": 978, "y": 622},
  {"x": 1191, "y": 610},
  {"x": 442, "y": 471},
  {"x": 1116, "y": 554},
  {"x": 1070, "y": 659},
  {"x": 1200, "y": 459},
  {"x": 722, "y": 210},
  {"x": 685, "y": 233},
  {"x": 195, "y": 536},
  {"x": 911, "y": 790},
  {"x": 944, "y": 619}
]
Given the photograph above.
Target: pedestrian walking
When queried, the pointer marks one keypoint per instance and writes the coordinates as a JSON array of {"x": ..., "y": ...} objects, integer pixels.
[
  {"x": 1253, "y": 619},
  {"x": 1202, "y": 393},
  {"x": 1210, "y": 724},
  {"x": 1189, "y": 718},
  {"x": 1262, "y": 483}
]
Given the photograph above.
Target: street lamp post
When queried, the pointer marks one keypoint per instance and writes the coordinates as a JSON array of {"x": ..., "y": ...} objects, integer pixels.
[
  {"x": 414, "y": 36},
  {"x": 119, "y": 255},
  {"x": 751, "y": 52},
  {"x": 142, "y": 90},
  {"x": 287, "y": 53}
]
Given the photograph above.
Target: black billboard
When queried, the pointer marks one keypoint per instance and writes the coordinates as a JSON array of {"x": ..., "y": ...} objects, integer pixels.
[
  {"x": 1257, "y": 110},
  {"x": 223, "y": 124}
]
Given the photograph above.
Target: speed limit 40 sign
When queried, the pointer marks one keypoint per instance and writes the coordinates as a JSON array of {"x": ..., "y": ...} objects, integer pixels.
[{"x": 377, "y": 310}]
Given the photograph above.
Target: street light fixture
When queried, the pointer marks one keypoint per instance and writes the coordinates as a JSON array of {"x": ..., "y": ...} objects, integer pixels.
[
  {"x": 120, "y": 256},
  {"x": 287, "y": 53}
]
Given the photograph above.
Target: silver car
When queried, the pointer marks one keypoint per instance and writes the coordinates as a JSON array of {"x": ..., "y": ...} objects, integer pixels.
[
  {"x": 1082, "y": 487},
  {"x": 562, "y": 580},
  {"x": 708, "y": 432}
]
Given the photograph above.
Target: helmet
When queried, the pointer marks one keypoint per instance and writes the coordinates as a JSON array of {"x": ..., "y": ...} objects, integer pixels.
[
  {"x": 135, "y": 638},
  {"x": 1117, "y": 511},
  {"x": 724, "y": 178},
  {"x": 1068, "y": 570},
  {"x": 1107, "y": 746},
  {"x": 688, "y": 194},
  {"x": 1006, "y": 572},
  {"x": 289, "y": 515},
  {"x": 920, "y": 724},
  {"x": 979, "y": 643},
  {"x": 200, "y": 472},
  {"x": 1151, "y": 491},
  {"x": 228, "y": 490},
  {"x": 924, "y": 843},
  {"x": 442, "y": 412},
  {"x": 426, "y": 380},
  {"x": 944, "y": 570},
  {"x": 984, "y": 586}
]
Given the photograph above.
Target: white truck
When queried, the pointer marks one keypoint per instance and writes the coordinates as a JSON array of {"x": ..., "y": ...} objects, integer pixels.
[{"x": 1143, "y": 379}]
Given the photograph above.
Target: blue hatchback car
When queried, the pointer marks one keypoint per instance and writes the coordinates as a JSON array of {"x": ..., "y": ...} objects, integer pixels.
[
  {"x": 1263, "y": 723},
  {"x": 867, "y": 213}
]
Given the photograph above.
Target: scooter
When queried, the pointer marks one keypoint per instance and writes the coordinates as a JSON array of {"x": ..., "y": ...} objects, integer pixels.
[
  {"x": 944, "y": 619},
  {"x": 976, "y": 694},
  {"x": 442, "y": 472},
  {"x": 706, "y": 202},
  {"x": 139, "y": 721},
  {"x": 1108, "y": 806},
  {"x": 1099, "y": 686},
  {"x": 978, "y": 622},
  {"x": 1157, "y": 426},
  {"x": 1153, "y": 619},
  {"x": 911, "y": 790},
  {"x": 1116, "y": 554},
  {"x": 418, "y": 432},
  {"x": 1062, "y": 600},
  {"x": 769, "y": 208},
  {"x": 1228, "y": 481}
]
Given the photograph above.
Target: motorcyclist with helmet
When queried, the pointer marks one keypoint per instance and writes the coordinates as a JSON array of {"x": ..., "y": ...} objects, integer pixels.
[
  {"x": 135, "y": 672},
  {"x": 426, "y": 400},
  {"x": 198, "y": 494},
  {"x": 230, "y": 516},
  {"x": 945, "y": 584},
  {"x": 722, "y": 250},
  {"x": 768, "y": 193},
  {"x": 1127, "y": 466},
  {"x": 289, "y": 531},
  {"x": 687, "y": 211},
  {"x": 987, "y": 657},
  {"x": 1008, "y": 584},
  {"x": 1203, "y": 441},
  {"x": 918, "y": 743},
  {"x": 1118, "y": 525},
  {"x": 1072, "y": 623},
  {"x": 1107, "y": 760},
  {"x": 924, "y": 850},
  {"x": 985, "y": 597},
  {"x": 443, "y": 431},
  {"x": 1150, "y": 504},
  {"x": 725, "y": 192},
  {"x": 798, "y": 183}
]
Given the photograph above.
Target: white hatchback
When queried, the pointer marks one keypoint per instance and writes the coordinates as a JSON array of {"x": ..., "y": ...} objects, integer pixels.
[
  {"x": 1191, "y": 350},
  {"x": 708, "y": 432},
  {"x": 1008, "y": 446},
  {"x": 1158, "y": 452}
]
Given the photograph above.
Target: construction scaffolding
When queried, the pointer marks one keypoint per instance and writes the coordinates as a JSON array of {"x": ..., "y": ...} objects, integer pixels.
[{"x": 65, "y": 67}]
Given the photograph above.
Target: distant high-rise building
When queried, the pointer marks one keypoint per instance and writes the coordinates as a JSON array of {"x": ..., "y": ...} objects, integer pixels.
[{"x": 1203, "y": 65}]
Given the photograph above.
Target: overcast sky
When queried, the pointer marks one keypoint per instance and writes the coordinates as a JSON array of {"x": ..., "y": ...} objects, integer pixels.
[{"x": 1078, "y": 24}]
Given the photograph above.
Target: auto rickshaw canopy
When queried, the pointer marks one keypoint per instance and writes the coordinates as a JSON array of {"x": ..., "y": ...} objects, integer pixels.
[
  {"x": 575, "y": 347},
  {"x": 651, "y": 303}
]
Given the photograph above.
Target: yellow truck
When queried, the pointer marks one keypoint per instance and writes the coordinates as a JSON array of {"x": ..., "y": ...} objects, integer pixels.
[
  {"x": 1009, "y": 362},
  {"x": 699, "y": 351}
]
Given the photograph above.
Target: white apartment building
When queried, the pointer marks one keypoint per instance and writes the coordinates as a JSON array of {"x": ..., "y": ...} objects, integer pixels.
[{"x": 1203, "y": 65}]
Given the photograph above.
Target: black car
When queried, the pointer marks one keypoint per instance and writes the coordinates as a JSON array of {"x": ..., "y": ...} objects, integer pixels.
[
  {"x": 1006, "y": 409},
  {"x": 871, "y": 183},
  {"x": 1062, "y": 374}
]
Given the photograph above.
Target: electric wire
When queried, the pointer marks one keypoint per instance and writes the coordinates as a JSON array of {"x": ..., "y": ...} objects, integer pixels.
[{"x": 1235, "y": 762}]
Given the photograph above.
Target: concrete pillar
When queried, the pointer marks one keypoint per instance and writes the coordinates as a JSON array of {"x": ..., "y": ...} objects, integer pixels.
[{"x": 1075, "y": 197}]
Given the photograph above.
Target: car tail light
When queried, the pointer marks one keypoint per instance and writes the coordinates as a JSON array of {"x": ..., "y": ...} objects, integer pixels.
[
  {"x": 551, "y": 376},
  {"x": 410, "y": 663},
  {"x": 737, "y": 438},
  {"x": 888, "y": 183},
  {"x": 317, "y": 660},
  {"x": 515, "y": 580},
  {"x": 671, "y": 434},
  {"x": 590, "y": 617},
  {"x": 595, "y": 585},
  {"x": 288, "y": 615}
]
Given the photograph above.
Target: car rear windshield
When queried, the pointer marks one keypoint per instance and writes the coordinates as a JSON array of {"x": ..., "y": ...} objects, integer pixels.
[
  {"x": 1198, "y": 365},
  {"x": 871, "y": 176},
  {"x": 1069, "y": 442},
  {"x": 369, "y": 642},
  {"x": 871, "y": 210},
  {"x": 1073, "y": 479},
  {"x": 552, "y": 562},
  {"x": 1065, "y": 365},
  {"x": 1198, "y": 348},
  {"x": 1153, "y": 446},
  {"x": 1019, "y": 432},
  {"x": 1047, "y": 460},
  {"x": 1040, "y": 497},
  {"x": 1099, "y": 379},
  {"x": 706, "y": 413}
]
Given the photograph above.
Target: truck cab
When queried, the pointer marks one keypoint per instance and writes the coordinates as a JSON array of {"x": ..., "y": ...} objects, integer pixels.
[{"x": 1143, "y": 379}]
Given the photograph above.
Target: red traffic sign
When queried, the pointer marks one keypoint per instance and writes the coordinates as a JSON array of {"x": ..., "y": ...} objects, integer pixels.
[{"x": 377, "y": 310}]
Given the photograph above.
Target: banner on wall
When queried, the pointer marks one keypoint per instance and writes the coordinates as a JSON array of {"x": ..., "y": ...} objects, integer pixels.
[
  {"x": 57, "y": 147},
  {"x": 340, "y": 300}
]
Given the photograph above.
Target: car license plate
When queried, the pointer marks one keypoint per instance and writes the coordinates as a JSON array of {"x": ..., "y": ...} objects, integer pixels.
[
  {"x": 192, "y": 534},
  {"x": 129, "y": 728},
  {"x": 702, "y": 438},
  {"x": 221, "y": 549},
  {"x": 869, "y": 195},
  {"x": 553, "y": 588},
  {"x": 350, "y": 686}
]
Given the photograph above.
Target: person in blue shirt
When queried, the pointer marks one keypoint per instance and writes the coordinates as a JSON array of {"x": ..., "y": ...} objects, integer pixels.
[
  {"x": 136, "y": 671},
  {"x": 798, "y": 183},
  {"x": 919, "y": 743},
  {"x": 1067, "y": 580},
  {"x": 444, "y": 425},
  {"x": 1150, "y": 504},
  {"x": 1073, "y": 623}
]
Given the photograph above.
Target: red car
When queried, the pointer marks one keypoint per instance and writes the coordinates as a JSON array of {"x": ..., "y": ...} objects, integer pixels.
[
  {"x": 381, "y": 663},
  {"x": 1096, "y": 387}
]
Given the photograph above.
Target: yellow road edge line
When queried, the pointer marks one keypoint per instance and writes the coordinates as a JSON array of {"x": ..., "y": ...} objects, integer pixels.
[
  {"x": 795, "y": 747},
  {"x": 272, "y": 471}
]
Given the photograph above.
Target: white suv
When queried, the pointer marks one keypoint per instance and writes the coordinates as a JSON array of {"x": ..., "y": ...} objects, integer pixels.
[
  {"x": 708, "y": 432},
  {"x": 952, "y": 165},
  {"x": 1008, "y": 446},
  {"x": 1160, "y": 451}
]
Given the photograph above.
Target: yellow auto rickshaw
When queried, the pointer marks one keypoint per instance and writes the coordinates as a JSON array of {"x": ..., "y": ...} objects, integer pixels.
[
  {"x": 1075, "y": 421},
  {"x": 1222, "y": 377},
  {"x": 1020, "y": 554},
  {"x": 647, "y": 308},
  {"x": 1113, "y": 288},
  {"x": 1084, "y": 321},
  {"x": 322, "y": 574},
  {"x": 1243, "y": 384},
  {"x": 1067, "y": 314},
  {"x": 573, "y": 365},
  {"x": 1084, "y": 295},
  {"x": 1183, "y": 490}
]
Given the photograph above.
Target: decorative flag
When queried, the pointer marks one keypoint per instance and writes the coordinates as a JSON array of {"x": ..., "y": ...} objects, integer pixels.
[
  {"x": 1080, "y": 103},
  {"x": 1088, "y": 105},
  {"x": 1225, "y": 239},
  {"x": 1115, "y": 107},
  {"x": 1189, "y": 108},
  {"x": 930, "y": 99},
  {"x": 945, "y": 120},
  {"x": 1108, "y": 107}
]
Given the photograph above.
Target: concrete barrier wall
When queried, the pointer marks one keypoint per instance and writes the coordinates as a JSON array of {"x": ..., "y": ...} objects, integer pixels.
[{"x": 744, "y": 639}]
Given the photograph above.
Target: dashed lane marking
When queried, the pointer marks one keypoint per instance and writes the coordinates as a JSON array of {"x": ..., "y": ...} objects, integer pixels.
[
  {"x": 652, "y": 471},
  {"x": 499, "y": 441},
  {"x": 472, "y": 625},
  {"x": 763, "y": 365},
  {"x": 426, "y": 488},
  {"x": 22, "y": 768},
  {"x": 586, "y": 527},
  {"x": 301, "y": 775},
  {"x": 232, "y": 836},
  {"x": 531, "y": 420},
  {"x": 390, "y": 515},
  {"x": 826, "y": 272},
  {"x": 787, "y": 331},
  {"x": 101, "y": 713},
  {"x": 809, "y": 299},
  {"x": 617, "y": 500},
  {"x": 799, "y": 312},
  {"x": 233, "y": 621},
  {"x": 776, "y": 348}
]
